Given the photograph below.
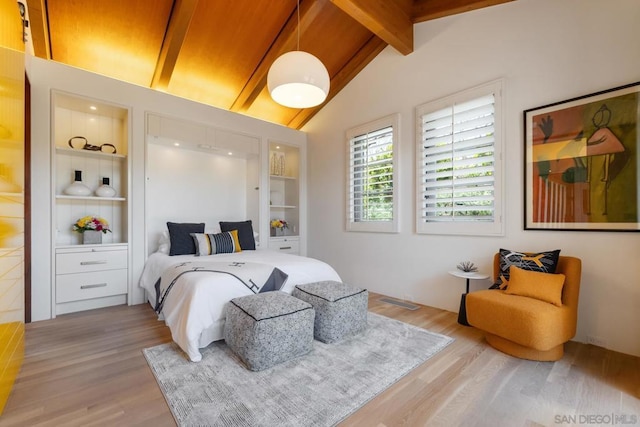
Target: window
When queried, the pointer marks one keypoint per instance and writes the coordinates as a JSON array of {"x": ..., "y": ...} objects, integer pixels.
[
  {"x": 459, "y": 141},
  {"x": 371, "y": 177}
]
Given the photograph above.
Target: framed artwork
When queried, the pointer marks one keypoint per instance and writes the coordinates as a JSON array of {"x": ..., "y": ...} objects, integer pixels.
[{"x": 581, "y": 163}]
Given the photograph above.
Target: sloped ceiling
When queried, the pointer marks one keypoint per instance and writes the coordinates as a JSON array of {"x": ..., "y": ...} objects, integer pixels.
[{"x": 218, "y": 52}]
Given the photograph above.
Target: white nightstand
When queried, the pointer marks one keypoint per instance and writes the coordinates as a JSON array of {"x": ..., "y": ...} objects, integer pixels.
[
  {"x": 90, "y": 276},
  {"x": 285, "y": 244}
]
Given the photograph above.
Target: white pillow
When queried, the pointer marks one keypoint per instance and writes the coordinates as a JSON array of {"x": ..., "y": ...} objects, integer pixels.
[{"x": 164, "y": 244}]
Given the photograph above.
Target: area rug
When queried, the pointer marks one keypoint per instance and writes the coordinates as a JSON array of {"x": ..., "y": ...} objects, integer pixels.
[{"x": 318, "y": 389}]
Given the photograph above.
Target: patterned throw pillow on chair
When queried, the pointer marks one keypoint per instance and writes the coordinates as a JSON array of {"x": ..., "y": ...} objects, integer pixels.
[{"x": 543, "y": 262}]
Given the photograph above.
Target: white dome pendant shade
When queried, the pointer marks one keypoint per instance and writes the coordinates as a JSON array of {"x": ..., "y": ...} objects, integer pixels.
[{"x": 298, "y": 79}]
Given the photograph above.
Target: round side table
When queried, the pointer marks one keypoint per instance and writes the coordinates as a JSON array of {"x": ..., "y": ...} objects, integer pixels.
[{"x": 472, "y": 275}]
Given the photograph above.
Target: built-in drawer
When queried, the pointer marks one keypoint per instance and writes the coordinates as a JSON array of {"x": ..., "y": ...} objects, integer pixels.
[
  {"x": 87, "y": 260},
  {"x": 81, "y": 286},
  {"x": 289, "y": 245}
]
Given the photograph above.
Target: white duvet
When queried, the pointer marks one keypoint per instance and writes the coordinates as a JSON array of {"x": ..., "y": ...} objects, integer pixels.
[{"x": 194, "y": 309}]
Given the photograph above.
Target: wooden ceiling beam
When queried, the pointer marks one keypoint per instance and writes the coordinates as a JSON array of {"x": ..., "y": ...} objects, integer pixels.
[
  {"x": 369, "y": 51},
  {"x": 179, "y": 23},
  {"x": 391, "y": 20},
  {"x": 425, "y": 10},
  {"x": 39, "y": 25},
  {"x": 285, "y": 42}
]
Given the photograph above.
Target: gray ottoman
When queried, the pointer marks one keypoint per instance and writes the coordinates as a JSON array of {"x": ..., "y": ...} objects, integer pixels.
[
  {"x": 341, "y": 309},
  {"x": 269, "y": 328}
]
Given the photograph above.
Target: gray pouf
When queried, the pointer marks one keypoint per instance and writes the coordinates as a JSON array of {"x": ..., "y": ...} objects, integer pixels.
[
  {"x": 269, "y": 328},
  {"x": 341, "y": 309}
]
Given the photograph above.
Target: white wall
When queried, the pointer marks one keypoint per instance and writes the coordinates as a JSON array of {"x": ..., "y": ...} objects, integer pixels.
[
  {"x": 179, "y": 180},
  {"x": 47, "y": 75},
  {"x": 546, "y": 51}
]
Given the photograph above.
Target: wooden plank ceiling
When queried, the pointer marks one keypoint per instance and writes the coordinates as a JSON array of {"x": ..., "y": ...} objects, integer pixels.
[{"x": 218, "y": 52}]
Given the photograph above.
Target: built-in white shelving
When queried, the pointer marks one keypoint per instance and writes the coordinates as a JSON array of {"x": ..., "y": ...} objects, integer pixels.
[
  {"x": 107, "y": 283},
  {"x": 93, "y": 198},
  {"x": 284, "y": 195}
]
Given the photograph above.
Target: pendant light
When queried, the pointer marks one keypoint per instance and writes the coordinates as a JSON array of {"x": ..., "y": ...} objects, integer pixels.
[{"x": 298, "y": 79}]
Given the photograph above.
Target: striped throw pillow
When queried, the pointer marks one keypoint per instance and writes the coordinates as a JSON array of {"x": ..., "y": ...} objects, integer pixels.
[{"x": 221, "y": 243}]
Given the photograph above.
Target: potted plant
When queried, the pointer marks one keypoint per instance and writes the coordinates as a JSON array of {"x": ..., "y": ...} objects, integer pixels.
[
  {"x": 92, "y": 228},
  {"x": 278, "y": 226}
]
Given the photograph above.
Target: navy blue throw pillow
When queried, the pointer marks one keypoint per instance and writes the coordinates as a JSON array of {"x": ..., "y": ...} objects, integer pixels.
[
  {"x": 245, "y": 233},
  {"x": 180, "y": 237}
]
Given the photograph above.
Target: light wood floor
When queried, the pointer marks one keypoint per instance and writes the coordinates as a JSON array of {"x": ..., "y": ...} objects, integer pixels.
[{"x": 87, "y": 369}]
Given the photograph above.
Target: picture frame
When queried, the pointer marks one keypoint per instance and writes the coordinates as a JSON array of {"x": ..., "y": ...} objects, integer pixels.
[{"x": 581, "y": 167}]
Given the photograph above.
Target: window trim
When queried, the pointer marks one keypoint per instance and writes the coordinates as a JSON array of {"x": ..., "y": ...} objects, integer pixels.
[
  {"x": 392, "y": 226},
  {"x": 473, "y": 228}
]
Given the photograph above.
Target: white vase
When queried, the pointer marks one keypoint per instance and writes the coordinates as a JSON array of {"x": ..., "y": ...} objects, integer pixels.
[
  {"x": 77, "y": 188},
  {"x": 105, "y": 190},
  {"x": 92, "y": 237}
]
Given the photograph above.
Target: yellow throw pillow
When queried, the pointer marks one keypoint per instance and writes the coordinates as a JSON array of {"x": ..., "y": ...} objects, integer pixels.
[
  {"x": 236, "y": 241},
  {"x": 545, "y": 287}
]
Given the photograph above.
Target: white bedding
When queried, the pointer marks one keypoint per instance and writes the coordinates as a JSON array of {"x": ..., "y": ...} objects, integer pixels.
[{"x": 194, "y": 309}]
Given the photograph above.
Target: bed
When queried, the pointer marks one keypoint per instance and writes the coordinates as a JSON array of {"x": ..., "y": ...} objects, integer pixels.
[{"x": 194, "y": 308}]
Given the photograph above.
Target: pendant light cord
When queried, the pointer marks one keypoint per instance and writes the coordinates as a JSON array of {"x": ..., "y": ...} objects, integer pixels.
[{"x": 298, "y": 9}]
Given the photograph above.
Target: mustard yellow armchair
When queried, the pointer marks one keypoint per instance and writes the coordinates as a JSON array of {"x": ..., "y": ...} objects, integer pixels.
[{"x": 526, "y": 327}]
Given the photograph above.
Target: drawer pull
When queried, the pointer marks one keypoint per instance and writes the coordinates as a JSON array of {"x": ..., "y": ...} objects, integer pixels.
[
  {"x": 284, "y": 248},
  {"x": 92, "y": 262},
  {"x": 97, "y": 285}
]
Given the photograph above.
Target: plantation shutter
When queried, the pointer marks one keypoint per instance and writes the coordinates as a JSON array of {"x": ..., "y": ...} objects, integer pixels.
[
  {"x": 371, "y": 176},
  {"x": 458, "y": 162}
]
